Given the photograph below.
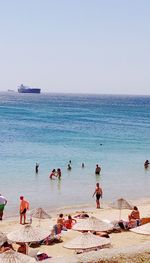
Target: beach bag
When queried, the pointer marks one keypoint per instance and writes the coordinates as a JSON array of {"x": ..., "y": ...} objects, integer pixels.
[{"x": 42, "y": 256}]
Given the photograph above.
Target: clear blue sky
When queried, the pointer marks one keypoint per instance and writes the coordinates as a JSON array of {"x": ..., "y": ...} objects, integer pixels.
[{"x": 77, "y": 46}]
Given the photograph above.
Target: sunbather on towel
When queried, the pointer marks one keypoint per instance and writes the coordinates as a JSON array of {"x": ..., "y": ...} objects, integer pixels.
[
  {"x": 82, "y": 216},
  {"x": 134, "y": 218},
  {"x": 135, "y": 214}
]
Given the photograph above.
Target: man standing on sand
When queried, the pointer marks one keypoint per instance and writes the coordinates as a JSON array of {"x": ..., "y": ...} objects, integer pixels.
[
  {"x": 24, "y": 206},
  {"x": 99, "y": 193},
  {"x": 3, "y": 202}
]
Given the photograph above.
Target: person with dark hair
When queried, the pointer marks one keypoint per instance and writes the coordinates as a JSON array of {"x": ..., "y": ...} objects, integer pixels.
[
  {"x": 146, "y": 164},
  {"x": 5, "y": 246},
  {"x": 52, "y": 174},
  {"x": 99, "y": 193},
  {"x": 135, "y": 214},
  {"x": 24, "y": 206},
  {"x": 83, "y": 215},
  {"x": 59, "y": 173},
  {"x": 97, "y": 169},
  {"x": 134, "y": 218},
  {"x": 3, "y": 202},
  {"x": 22, "y": 249},
  {"x": 82, "y": 165},
  {"x": 69, "y": 222},
  {"x": 69, "y": 167},
  {"x": 37, "y": 168},
  {"x": 61, "y": 220}
]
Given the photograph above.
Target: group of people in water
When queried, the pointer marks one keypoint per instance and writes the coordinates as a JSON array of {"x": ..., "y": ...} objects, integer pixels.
[{"x": 55, "y": 173}]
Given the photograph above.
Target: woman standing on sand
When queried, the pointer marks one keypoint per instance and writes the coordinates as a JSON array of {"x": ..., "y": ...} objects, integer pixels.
[{"x": 99, "y": 193}]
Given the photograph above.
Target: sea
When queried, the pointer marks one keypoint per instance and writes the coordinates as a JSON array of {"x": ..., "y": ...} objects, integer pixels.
[{"x": 53, "y": 129}]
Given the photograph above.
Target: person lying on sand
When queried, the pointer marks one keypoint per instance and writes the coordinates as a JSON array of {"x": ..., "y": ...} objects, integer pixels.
[
  {"x": 22, "y": 249},
  {"x": 82, "y": 215},
  {"x": 101, "y": 234}
]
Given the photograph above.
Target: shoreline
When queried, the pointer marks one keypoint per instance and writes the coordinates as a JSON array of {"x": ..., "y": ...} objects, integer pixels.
[{"x": 80, "y": 207}]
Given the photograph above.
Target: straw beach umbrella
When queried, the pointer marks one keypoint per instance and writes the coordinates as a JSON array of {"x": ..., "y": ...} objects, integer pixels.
[
  {"x": 3, "y": 238},
  {"x": 39, "y": 213},
  {"x": 92, "y": 224},
  {"x": 87, "y": 241},
  {"x": 120, "y": 204},
  {"x": 28, "y": 233},
  {"x": 11, "y": 256},
  {"x": 143, "y": 230}
]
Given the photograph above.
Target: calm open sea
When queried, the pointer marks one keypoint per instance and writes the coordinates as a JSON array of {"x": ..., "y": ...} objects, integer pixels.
[{"x": 51, "y": 129}]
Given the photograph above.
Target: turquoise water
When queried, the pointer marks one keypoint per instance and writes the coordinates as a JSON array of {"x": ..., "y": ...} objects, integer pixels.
[{"x": 51, "y": 129}]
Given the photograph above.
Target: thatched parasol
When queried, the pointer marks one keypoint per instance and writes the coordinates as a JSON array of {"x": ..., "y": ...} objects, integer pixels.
[
  {"x": 86, "y": 241},
  {"x": 3, "y": 238},
  {"x": 92, "y": 224},
  {"x": 120, "y": 204},
  {"x": 143, "y": 230},
  {"x": 39, "y": 213},
  {"x": 11, "y": 256},
  {"x": 28, "y": 233}
]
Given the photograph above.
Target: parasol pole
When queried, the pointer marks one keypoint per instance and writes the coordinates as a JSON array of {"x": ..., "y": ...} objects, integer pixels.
[{"x": 120, "y": 214}]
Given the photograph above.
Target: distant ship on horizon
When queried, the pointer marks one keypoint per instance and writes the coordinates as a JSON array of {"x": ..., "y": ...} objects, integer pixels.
[{"x": 26, "y": 89}]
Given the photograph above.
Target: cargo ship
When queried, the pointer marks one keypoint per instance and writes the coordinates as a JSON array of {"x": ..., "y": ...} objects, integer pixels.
[{"x": 26, "y": 89}]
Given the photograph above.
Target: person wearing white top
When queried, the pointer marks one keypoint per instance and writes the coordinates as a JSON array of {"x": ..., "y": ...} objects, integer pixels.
[{"x": 3, "y": 202}]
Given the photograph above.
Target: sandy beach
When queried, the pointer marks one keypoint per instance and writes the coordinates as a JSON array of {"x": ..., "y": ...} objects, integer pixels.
[{"x": 118, "y": 240}]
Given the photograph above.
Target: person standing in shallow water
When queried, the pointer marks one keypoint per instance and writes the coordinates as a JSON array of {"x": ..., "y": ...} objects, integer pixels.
[
  {"x": 37, "y": 168},
  {"x": 97, "y": 169},
  {"x": 146, "y": 164},
  {"x": 69, "y": 167},
  {"x": 59, "y": 173},
  {"x": 99, "y": 194}
]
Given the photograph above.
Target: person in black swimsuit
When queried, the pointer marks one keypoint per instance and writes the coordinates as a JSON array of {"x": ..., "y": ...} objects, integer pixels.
[{"x": 99, "y": 193}]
